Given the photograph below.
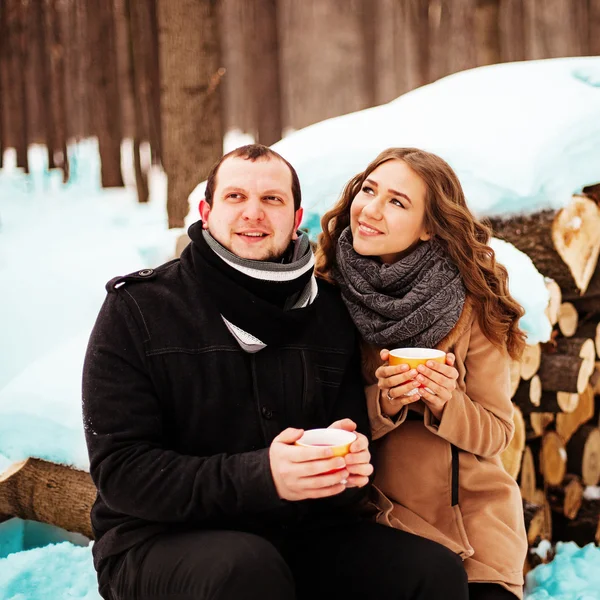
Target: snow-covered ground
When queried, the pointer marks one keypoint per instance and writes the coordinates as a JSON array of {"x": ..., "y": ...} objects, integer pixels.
[{"x": 60, "y": 244}]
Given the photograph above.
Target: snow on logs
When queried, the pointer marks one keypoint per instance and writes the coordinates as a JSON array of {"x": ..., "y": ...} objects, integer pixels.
[
  {"x": 556, "y": 386},
  {"x": 563, "y": 244}
]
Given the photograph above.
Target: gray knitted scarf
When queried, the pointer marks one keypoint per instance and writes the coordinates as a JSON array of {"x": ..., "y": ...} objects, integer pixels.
[{"x": 414, "y": 302}]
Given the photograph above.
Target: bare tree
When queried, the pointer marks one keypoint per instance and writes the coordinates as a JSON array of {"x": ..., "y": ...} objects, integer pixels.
[
  {"x": 594, "y": 27},
  {"x": 487, "y": 32},
  {"x": 553, "y": 28},
  {"x": 58, "y": 104},
  {"x": 104, "y": 103},
  {"x": 322, "y": 58},
  {"x": 15, "y": 48},
  {"x": 267, "y": 80},
  {"x": 136, "y": 66},
  {"x": 191, "y": 112},
  {"x": 512, "y": 30}
]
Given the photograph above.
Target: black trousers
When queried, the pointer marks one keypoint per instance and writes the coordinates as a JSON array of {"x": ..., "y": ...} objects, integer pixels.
[
  {"x": 489, "y": 591},
  {"x": 359, "y": 561}
]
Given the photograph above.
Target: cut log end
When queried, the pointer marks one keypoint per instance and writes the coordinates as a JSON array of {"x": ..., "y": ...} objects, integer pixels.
[
  {"x": 575, "y": 238},
  {"x": 568, "y": 318},
  {"x": 530, "y": 361},
  {"x": 555, "y": 300},
  {"x": 553, "y": 458}
]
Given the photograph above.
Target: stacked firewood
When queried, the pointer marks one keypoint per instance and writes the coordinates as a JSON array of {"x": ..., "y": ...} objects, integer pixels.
[{"x": 555, "y": 453}]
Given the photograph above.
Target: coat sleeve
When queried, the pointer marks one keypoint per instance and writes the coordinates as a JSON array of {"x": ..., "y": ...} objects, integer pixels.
[
  {"x": 132, "y": 470},
  {"x": 381, "y": 424},
  {"x": 479, "y": 419}
]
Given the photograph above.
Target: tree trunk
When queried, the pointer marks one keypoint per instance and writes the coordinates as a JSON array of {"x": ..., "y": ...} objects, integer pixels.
[
  {"x": 49, "y": 493},
  {"x": 140, "y": 101},
  {"x": 416, "y": 38},
  {"x": 57, "y": 84},
  {"x": 553, "y": 28},
  {"x": 3, "y": 94},
  {"x": 512, "y": 32},
  {"x": 321, "y": 60},
  {"x": 105, "y": 105},
  {"x": 267, "y": 79},
  {"x": 487, "y": 32},
  {"x": 594, "y": 27},
  {"x": 16, "y": 48},
  {"x": 191, "y": 111},
  {"x": 124, "y": 62},
  {"x": 461, "y": 39},
  {"x": 563, "y": 244}
]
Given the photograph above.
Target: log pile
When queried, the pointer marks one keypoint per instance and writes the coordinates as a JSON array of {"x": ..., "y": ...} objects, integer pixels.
[{"x": 555, "y": 453}]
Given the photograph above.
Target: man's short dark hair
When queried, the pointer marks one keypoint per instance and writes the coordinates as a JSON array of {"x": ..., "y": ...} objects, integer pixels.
[{"x": 252, "y": 152}]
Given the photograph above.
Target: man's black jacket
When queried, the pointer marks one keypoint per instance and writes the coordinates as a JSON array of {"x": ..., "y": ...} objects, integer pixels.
[{"x": 179, "y": 419}]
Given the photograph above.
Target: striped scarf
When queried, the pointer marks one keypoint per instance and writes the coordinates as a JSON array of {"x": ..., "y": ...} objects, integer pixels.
[{"x": 262, "y": 303}]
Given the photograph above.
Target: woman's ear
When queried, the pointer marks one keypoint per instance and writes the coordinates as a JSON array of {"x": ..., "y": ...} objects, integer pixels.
[{"x": 425, "y": 236}]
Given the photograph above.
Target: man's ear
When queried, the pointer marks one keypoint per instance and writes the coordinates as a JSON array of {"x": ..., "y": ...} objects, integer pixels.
[
  {"x": 297, "y": 221},
  {"x": 204, "y": 209}
]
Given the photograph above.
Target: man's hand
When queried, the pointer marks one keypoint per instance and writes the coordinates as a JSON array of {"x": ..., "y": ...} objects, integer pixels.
[
  {"x": 358, "y": 460},
  {"x": 301, "y": 472}
]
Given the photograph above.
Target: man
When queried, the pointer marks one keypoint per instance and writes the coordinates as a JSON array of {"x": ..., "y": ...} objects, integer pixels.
[{"x": 199, "y": 378}]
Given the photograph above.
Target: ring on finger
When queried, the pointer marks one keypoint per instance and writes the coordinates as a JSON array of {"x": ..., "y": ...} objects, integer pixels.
[{"x": 388, "y": 395}]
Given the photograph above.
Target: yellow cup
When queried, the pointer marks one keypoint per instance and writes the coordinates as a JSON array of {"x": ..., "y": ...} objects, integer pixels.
[
  {"x": 338, "y": 440},
  {"x": 413, "y": 357}
]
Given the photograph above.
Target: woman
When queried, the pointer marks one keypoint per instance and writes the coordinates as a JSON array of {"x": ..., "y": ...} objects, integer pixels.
[{"x": 415, "y": 270}]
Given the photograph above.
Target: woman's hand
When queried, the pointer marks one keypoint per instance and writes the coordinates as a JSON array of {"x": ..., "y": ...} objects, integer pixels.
[
  {"x": 398, "y": 380},
  {"x": 441, "y": 380}
]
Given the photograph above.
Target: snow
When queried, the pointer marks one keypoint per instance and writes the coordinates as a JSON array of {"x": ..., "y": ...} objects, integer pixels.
[
  {"x": 521, "y": 136},
  {"x": 60, "y": 244},
  {"x": 573, "y": 574},
  {"x": 54, "y": 572}
]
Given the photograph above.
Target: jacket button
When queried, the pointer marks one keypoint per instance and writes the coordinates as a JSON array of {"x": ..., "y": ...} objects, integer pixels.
[
  {"x": 267, "y": 413},
  {"x": 145, "y": 272}
]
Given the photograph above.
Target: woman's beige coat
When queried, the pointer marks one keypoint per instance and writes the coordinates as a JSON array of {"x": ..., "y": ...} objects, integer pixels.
[{"x": 413, "y": 463}]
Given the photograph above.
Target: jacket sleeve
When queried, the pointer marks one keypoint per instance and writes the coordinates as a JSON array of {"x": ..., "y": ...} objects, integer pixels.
[
  {"x": 132, "y": 470},
  {"x": 381, "y": 424},
  {"x": 479, "y": 419}
]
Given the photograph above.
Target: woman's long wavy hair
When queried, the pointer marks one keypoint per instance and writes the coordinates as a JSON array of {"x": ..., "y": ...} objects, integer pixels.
[{"x": 460, "y": 233}]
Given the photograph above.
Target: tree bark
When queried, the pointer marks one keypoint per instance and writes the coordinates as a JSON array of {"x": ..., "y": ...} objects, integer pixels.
[
  {"x": 512, "y": 32},
  {"x": 487, "y": 32},
  {"x": 57, "y": 85},
  {"x": 461, "y": 35},
  {"x": 588, "y": 304},
  {"x": 562, "y": 373},
  {"x": 139, "y": 99},
  {"x": 553, "y": 28},
  {"x": 105, "y": 105},
  {"x": 528, "y": 395},
  {"x": 583, "y": 452},
  {"x": 416, "y": 37},
  {"x": 191, "y": 112},
  {"x": 15, "y": 47},
  {"x": 267, "y": 77},
  {"x": 594, "y": 27},
  {"x": 50, "y": 493},
  {"x": 320, "y": 61}
]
